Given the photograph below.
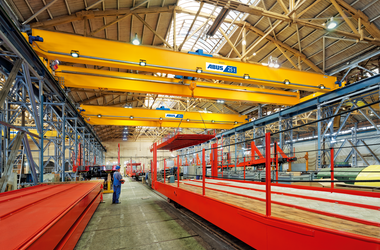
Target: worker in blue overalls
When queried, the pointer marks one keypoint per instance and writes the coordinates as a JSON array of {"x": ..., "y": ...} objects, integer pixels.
[{"x": 117, "y": 181}]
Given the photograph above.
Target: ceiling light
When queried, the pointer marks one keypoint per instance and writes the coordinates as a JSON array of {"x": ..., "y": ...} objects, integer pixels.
[
  {"x": 212, "y": 121},
  {"x": 246, "y": 76},
  {"x": 286, "y": 82},
  {"x": 187, "y": 119},
  {"x": 321, "y": 86},
  {"x": 244, "y": 42},
  {"x": 254, "y": 53},
  {"x": 272, "y": 62},
  {"x": 136, "y": 40},
  {"x": 99, "y": 116},
  {"x": 219, "y": 101},
  {"x": 331, "y": 24},
  {"x": 142, "y": 63},
  {"x": 74, "y": 53},
  {"x": 198, "y": 70},
  {"x": 131, "y": 117}
]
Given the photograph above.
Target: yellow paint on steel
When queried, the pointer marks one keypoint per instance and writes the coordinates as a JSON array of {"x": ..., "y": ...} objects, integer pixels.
[
  {"x": 311, "y": 96},
  {"x": 110, "y": 80},
  {"x": 47, "y": 134},
  {"x": 165, "y": 115},
  {"x": 164, "y": 124},
  {"x": 369, "y": 173},
  {"x": 95, "y": 51}
]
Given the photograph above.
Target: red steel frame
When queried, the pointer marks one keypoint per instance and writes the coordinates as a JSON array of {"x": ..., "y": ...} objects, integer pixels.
[
  {"x": 268, "y": 174},
  {"x": 298, "y": 207},
  {"x": 179, "y": 141},
  {"x": 253, "y": 161},
  {"x": 265, "y": 231},
  {"x": 203, "y": 171},
  {"x": 130, "y": 171},
  {"x": 332, "y": 169}
]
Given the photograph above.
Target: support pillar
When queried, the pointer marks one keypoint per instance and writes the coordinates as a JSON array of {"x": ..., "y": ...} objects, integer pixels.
[
  {"x": 214, "y": 164},
  {"x": 154, "y": 168},
  {"x": 41, "y": 160},
  {"x": 268, "y": 174},
  {"x": 203, "y": 172}
]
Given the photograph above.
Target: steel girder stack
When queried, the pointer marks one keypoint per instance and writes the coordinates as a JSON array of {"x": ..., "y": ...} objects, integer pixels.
[{"x": 47, "y": 216}]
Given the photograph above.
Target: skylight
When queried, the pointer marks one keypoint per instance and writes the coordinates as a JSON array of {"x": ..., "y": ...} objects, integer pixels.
[{"x": 199, "y": 40}]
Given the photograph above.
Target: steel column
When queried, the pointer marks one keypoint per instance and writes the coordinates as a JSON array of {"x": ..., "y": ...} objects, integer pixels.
[
  {"x": 268, "y": 174},
  {"x": 332, "y": 168},
  {"x": 203, "y": 171}
]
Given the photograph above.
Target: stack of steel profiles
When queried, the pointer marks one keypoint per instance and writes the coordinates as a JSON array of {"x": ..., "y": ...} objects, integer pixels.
[{"x": 47, "y": 216}]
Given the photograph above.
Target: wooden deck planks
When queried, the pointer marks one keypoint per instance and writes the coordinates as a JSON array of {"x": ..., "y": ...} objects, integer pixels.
[{"x": 290, "y": 213}]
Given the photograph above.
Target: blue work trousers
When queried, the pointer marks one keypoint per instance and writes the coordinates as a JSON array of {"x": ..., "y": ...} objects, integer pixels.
[{"x": 116, "y": 193}]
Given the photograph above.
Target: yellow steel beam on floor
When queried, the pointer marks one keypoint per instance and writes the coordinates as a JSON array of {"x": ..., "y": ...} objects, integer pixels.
[
  {"x": 116, "y": 81},
  {"x": 113, "y": 54},
  {"x": 164, "y": 118}
]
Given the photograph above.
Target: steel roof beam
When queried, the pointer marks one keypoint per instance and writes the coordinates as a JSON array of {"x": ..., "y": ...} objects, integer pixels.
[
  {"x": 80, "y": 15},
  {"x": 253, "y": 10}
]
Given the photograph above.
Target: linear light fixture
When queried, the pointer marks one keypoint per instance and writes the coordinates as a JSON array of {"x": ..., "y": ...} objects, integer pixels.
[{"x": 218, "y": 21}]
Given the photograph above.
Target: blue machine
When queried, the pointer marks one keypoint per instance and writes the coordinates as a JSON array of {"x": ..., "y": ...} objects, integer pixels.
[
  {"x": 35, "y": 39},
  {"x": 198, "y": 52},
  {"x": 162, "y": 108}
]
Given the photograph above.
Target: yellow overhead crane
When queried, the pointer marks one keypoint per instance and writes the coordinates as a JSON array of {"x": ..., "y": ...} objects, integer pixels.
[
  {"x": 114, "y": 54},
  {"x": 76, "y": 77},
  {"x": 105, "y": 115}
]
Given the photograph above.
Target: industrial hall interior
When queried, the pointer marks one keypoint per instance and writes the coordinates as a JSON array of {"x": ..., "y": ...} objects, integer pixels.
[{"x": 190, "y": 124}]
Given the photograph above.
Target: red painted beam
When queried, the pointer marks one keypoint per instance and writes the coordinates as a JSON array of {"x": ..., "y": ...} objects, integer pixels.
[{"x": 40, "y": 217}]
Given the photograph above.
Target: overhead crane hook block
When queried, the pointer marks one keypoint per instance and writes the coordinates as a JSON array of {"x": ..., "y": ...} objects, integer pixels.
[{"x": 192, "y": 87}]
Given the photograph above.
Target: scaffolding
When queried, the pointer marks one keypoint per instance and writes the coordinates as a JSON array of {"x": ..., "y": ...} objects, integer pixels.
[{"x": 35, "y": 108}]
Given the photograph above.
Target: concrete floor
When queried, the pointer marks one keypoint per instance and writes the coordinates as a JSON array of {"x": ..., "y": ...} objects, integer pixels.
[{"x": 139, "y": 222}]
